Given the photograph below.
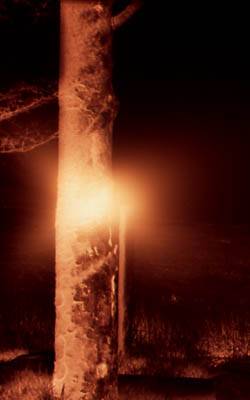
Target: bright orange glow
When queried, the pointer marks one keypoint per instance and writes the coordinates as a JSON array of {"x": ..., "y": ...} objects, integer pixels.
[
  {"x": 132, "y": 198},
  {"x": 91, "y": 200},
  {"x": 89, "y": 205}
]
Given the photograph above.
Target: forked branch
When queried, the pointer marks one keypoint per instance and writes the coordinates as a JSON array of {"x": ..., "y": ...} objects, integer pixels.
[{"x": 119, "y": 19}]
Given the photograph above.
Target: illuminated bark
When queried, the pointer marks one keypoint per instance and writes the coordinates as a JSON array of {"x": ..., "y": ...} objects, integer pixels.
[
  {"x": 86, "y": 253},
  {"x": 86, "y": 259}
]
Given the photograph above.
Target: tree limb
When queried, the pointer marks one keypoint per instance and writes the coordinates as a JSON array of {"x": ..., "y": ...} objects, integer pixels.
[
  {"x": 6, "y": 114},
  {"x": 22, "y": 144},
  {"x": 27, "y": 118},
  {"x": 119, "y": 19}
]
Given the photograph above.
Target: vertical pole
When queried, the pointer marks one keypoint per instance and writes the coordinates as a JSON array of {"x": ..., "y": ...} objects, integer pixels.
[{"x": 122, "y": 282}]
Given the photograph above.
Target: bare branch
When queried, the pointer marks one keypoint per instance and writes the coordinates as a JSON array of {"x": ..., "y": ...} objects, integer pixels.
[
  {"x": 24, "y": 144},
  {"x": 119, "y": 19},
  {"x": 27, "y": 118},
  {"x": 6, "y": 114}
]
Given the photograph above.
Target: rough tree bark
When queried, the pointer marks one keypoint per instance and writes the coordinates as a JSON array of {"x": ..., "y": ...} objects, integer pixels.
[
  {"x": 86, "y": 262},
  {"x": 86, "y": 253}
]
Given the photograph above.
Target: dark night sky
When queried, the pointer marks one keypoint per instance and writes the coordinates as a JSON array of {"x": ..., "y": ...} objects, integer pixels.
[{"x": 182, "y": 74}]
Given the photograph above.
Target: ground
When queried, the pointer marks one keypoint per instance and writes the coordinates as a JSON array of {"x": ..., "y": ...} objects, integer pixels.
[
  {"x": 187, "y": 298},
  {"x": 28, "y": 377}
]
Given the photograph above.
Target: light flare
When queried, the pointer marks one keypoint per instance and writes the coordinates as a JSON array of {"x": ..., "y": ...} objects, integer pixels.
[
  {"x": 88, "y": 201},
  {"x": 90, "y": 205}
]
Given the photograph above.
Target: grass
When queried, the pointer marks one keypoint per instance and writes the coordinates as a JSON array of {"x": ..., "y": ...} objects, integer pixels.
[
  {"x": 27, "y": 385},
  {"x": 179, "y": 346},
  {"x": 27, "y": 323}
]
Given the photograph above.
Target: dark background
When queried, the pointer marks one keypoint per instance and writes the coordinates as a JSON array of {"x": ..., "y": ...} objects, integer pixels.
[{"x": 181, "y": 146}]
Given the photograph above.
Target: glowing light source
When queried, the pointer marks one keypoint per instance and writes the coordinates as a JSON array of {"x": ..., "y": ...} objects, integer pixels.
[
  {"x": 89, "y": 200},
  {"x": 88, "y": 205}
]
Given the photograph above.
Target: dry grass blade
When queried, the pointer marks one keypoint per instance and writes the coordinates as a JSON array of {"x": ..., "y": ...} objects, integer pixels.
[{"x": 27, "y": 385}]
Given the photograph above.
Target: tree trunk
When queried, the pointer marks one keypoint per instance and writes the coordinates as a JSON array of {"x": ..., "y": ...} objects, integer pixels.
[{"x": 86, "y": 255}]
